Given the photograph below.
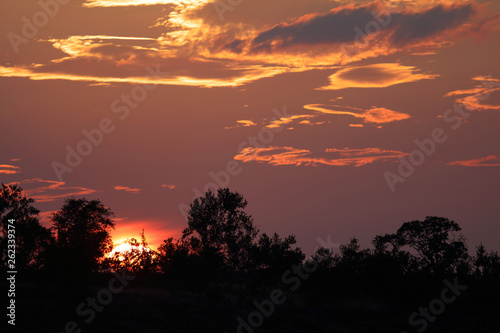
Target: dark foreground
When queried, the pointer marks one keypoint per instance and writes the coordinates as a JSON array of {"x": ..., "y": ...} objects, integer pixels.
[{"x": 299, "y": 303}]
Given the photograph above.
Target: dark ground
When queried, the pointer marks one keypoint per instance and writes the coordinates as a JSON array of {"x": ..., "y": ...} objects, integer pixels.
[{"x": 153, "y": 304}]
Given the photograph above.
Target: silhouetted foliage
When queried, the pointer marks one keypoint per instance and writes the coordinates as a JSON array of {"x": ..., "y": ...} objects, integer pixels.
[
  {"x": 388, "y": 252},
  {"x": 217, "y": 225},
  {"x": 275, "y": 254},
  {"x": 325, "y": 258},
  {"x": 172, "y": 255},
  {"x": 31, "y": 238},
  {"x": 431, "y": 239},
  {"x": 83, "y": 233},
  {"x": 487, "y": 264},
  {"x": 352, "y": 257}
]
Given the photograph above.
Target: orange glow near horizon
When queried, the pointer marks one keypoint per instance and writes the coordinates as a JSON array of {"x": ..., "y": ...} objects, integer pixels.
[{"x": 132, "y": 229}]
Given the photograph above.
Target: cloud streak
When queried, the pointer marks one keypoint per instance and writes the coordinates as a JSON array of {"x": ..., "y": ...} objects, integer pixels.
[
  {"x": 374, "y": 115},
  {"x": 42, "y": 190},
  {"x": 128, "y": 3},
  {"x": 302, "y": 119},
  {"x": 242, "y": 123},
  {"x": 472, "y": 98},
  {"x": 330, "y": 157},
  {"x": 488, "y": 161},
  {"x": 128, "y": 189},
  {"x": 8, "y": 169}
]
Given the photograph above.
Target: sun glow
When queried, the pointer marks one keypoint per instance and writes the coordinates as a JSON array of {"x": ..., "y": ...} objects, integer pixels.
[{"x": 125, "y": 247}]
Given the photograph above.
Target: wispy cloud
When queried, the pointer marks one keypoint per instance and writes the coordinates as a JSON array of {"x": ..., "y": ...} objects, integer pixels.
[
  {"x": 488, "y": 161},
  {"x": 123, "y": 3},
  {"x": 301, "y": 119},
  {"x": 128, "y": 189},
  {"x": 473, "y": 98},
  {"x": 169, "y": 186},
  {"x": 8, "y": 169},
  {"x": 331, "y": 157},
  {"x": 242, "y": 123},
  {"x": 43, "y": 190},
  {"x": 374, "y": 115}
]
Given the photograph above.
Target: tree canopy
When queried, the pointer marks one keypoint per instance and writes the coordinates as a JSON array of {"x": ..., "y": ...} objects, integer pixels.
[
  {"x": 83, "y": 231},
  {"x": 219, "y": 223},
  {"x": 32, "y": 239}
]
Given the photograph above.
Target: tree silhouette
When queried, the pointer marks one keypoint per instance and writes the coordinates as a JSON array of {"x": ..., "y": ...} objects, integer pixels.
[
  {"x": 325, "y": 258},
  {"x": 352, "y": 257},
  {"x": 83, "y": 233},
  {"x": 435, "y": 241},
  {"x": 217, "y": 225},
  {"x": 32, "y": 239},
  {"x": 388, "y": 254},
  {"x": 487, "y": 264},
  {"x": 274, "y": 253},
  {"x": 172, "y": 255}
]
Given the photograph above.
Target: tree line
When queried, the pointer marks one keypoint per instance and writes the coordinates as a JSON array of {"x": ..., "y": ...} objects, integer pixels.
[{"x": 221, "y": 239}]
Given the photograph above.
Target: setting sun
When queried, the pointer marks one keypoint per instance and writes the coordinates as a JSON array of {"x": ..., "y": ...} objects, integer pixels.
[{"x": 126, "y": 248}]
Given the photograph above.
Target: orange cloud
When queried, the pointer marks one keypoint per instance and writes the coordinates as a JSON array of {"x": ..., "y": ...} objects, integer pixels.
[
  {"x": 375, "y": 76},
  {"x": 102, "y": 59},
  {"x": 8, "y": 169},
  {"x": 488, "y": 161},
  {"x": 128, "y": 189},
  {"x": 246, "y": 123},
  {"x": 473, "y": 98},
  {"x": 291, "y": 119},
  {"x": 251, "y": 73},
  {"x": 242, "y": 123},
  {"x": 169, "y": 186},
  {"x": 331, "y": 157},
  {"x": 198, "y": 53},
  {"x": 123, "y": 3},
  {"x": 374, "y": 115},
  {"x": 50, "y": 190}
]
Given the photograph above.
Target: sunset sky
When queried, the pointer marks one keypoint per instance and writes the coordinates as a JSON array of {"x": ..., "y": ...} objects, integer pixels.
[{"x": 340, "y": 118}]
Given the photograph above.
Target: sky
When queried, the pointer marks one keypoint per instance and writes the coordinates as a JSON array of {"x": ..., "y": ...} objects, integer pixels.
[{"x": 332, "y": 118}]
